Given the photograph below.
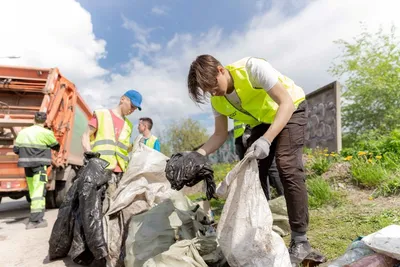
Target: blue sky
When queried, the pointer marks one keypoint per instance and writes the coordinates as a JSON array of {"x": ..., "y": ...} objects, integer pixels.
[
  {"x": 113, "y": 46},
  {"x": 163, "y": 19}
]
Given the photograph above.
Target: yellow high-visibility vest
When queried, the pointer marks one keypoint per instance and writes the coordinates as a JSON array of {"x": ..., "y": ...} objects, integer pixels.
[
  {"x": 258, "y": 107},
  {"x": 112, "y": 150}
]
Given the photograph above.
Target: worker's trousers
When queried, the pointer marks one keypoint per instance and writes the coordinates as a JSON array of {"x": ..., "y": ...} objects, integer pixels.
[
  {"x": 36, "y": 178},
  {"x": 288, "y": 151}
]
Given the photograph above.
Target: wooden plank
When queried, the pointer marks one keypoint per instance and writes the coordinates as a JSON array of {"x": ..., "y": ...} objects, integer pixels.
[{"x": 15, "y": 123}]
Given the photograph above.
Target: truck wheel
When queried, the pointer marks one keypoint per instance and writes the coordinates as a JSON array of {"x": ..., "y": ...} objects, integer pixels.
[
  {"x": 50, "y": 200},
  {"x": 62, "y": 188}
]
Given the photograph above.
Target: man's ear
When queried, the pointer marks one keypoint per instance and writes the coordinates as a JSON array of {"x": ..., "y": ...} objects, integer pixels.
[{"x": 221, "y": 69}]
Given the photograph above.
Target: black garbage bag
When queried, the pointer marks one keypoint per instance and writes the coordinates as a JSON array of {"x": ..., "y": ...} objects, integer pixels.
[
  {"x": 79, "y": 228},
  {"x": 189, "y": 168},
  {"x": 63, "y": 229},
  {"x": 90, "y": 205},
  {"x": 80, "y": 252}
]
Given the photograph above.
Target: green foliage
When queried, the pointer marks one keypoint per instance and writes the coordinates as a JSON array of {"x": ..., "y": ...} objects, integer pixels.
[
  {"x": 221, "y": 170},
  {"x": 183, "y": 135},
  {"x": 367, "y": 172},
  {"x": 319, "y": 161},
  {"x": 390, "y": 187},
  {"x": 165, "y": 148},
  {"x": 371, "y": 66},
  {"x": 320, "y": 193}
]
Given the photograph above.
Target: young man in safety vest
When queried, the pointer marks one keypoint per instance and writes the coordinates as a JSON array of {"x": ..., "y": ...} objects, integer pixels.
[
  {"x": 144, "y": 128},
  {"x": 33, "y": 145},
  {"x": 110, "y": 133},
  {"x": 253, "y": 92}
]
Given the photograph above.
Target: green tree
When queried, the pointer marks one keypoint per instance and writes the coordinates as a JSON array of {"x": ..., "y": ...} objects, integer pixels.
[
  {"x": 370, "y": 65},
  {"x": 185, "y": 135}
]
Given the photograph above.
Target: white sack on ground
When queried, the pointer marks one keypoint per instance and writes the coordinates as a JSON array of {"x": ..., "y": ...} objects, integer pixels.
[
  {"x": 245, "y": 229},
  {"x": 386, "y": 241}
]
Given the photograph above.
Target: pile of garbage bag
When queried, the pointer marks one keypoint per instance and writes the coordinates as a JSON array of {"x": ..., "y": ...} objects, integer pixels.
[
  {"x": 78, "y": 230},
  {"x": 148, "y": 223},
  {"x": 381, "y": 248}
]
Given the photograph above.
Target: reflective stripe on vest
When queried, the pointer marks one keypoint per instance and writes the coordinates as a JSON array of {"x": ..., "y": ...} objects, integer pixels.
[
  {"x": 258, "y": 107},
  {"x": 151, "y": 141},
  {"x": 34, "y": 144},
  {"x": 238, "y": 129},
  {"x": 111, "y": 150}
]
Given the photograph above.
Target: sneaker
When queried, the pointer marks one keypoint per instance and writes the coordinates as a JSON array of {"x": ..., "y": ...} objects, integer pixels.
[
  {"x": 298, "y": 251},
  {"x": 34, "y": 225}
]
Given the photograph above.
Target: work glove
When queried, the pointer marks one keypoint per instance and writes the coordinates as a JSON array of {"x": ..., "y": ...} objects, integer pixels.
[{"x": 260, "y": 148}]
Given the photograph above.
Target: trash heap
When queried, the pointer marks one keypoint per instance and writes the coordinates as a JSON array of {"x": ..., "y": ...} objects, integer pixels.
[{"x": 147, "y": 223}]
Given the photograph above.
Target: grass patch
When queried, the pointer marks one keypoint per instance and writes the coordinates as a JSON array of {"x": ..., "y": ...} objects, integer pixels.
[
  {"x": 368, "y": 173},
  {"x": 390, "y": 187},
  {"x": 319, "y": 161},
  {"x": 332, "y": 230},
  {"x": 221, "y": 170},
  {"x": 320, "y": 193}
]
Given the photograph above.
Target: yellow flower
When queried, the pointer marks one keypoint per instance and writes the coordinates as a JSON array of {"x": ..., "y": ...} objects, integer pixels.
[
  {"x": 370, "y": 160},
  {"x": 362, "y": 153},
  {"x": 333, "y": 155},
  {"x": 348, "y": 158},
  {"x": 378, "y": 157},
  {"x": 326, "y": 155},
  {"x": 325, "y": 150},
  {"x": 370, "y": 197}
]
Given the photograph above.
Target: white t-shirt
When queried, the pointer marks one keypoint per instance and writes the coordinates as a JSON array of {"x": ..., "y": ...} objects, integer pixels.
[{"x": 261, "y": 75}]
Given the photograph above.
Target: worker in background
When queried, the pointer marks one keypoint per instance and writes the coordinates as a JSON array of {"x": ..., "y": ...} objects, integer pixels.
[
  {"x": 253, "y": 92},
  {"x": 109, "y": 134},
  {"x": 33, "y": 145},
  {"x": 144, "y": 128}
]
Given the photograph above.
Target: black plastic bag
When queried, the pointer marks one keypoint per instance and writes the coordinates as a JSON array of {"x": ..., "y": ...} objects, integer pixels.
[
  {"x": 63, "y": 228},
  {"x": 80, "y": 253},
  {"x": 189, "y": 168},
  {"x": 92, "y": 188},
  {"x": 79, "y": 221}
]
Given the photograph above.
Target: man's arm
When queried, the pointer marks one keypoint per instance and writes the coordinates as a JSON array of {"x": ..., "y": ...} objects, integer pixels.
[
  {"x": 157, "y": 145},
  {"x": 263, "y": 75},
  {"x": 286, "y": 108},
  {"x": 218, "y": 138},
  {"x": 52, "y": 142},
  {"x": 86, "y": 138}
]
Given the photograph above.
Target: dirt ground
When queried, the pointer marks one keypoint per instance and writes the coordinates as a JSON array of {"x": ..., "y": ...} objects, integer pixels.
[{"x": 25, "y": 248}]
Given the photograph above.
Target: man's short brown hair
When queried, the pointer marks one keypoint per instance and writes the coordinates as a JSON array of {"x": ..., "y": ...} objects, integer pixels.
[
  {"x": 149, "y": 122},
  {"x": 202, "y": 75}
]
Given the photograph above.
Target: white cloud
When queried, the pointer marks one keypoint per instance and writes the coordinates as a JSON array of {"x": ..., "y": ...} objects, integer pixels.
[
  {"x": 43, "y": 38},
  {"x": 299, "y": 46},
  {"x": 159, "y": 10},
  {"x": 142, "y": 34}
]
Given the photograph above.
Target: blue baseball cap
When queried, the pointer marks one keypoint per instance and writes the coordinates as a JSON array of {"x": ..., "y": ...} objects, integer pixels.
[{"x": 135, "y": 97}]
